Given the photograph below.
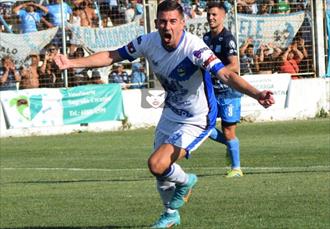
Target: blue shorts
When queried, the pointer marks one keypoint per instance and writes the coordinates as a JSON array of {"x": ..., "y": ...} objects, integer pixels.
[{"x": 229, "y": 109}]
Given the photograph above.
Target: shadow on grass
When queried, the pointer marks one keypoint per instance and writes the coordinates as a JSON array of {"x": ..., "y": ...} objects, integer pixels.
[{"x": 220, "y": 173}]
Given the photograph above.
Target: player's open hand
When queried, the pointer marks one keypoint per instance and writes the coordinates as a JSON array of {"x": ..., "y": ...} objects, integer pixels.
[
  {"x": 266, "y": 99},
  {"x": 62, "y": 61}
]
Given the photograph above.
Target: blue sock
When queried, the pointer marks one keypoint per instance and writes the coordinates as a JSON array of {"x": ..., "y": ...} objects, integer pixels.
[
  {"x": 233, "y": 150},
  {"x": 217, "y": 136}
]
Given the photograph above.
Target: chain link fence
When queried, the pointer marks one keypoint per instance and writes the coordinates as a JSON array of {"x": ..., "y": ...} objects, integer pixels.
[{"x": 273, "y": 36}]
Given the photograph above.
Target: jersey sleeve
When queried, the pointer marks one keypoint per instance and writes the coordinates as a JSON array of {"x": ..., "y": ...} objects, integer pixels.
[
  {"x": 203, "y": 57},
  {"x": 133, "y": 49},
  {"x": 231, "y": 46}
]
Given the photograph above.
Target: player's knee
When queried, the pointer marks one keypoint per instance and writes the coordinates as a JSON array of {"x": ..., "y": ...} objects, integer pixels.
[{"x": 156, "y": 167}]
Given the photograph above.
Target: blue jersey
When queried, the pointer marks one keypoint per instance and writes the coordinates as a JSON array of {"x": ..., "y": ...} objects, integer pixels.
[
  {"x": 183, "y": 73},
  {"x": 224, "y": 46},
  {"x": 54, "y": 12},
  {"x": 29, "y": 20}
]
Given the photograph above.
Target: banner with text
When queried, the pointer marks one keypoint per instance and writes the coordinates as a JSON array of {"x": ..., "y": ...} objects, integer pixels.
[
  {"x": 278, "y": 83},
  {"x": 57, "y": 107},
  {"x": 278, "y": 29},
  {"x": 101, "y": 39},
  {"x": 20, "y": 46}
]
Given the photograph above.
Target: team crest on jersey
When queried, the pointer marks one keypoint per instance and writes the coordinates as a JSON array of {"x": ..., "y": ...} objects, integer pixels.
[
  {"x": 232, "y": 44},
  {"x": 131, "y": 48},
  {"x": 181, "y": 71},
  {"x": 198, "y": 53}
]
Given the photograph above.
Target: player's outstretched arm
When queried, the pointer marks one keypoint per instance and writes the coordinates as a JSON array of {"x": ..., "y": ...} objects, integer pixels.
[
  {"x": 265, "y": 98},
  {"x": 100, "y": 59}
]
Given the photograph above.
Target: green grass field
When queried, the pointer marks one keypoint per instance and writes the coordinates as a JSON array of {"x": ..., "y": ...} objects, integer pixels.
[{"x": 100, "y": 180}]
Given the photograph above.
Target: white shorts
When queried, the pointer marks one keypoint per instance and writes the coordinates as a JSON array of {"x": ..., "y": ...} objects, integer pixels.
[{"x": 186, "y": 136}]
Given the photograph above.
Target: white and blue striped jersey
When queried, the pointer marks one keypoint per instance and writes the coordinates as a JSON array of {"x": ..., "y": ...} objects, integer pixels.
[{"x": 184, "y": 75}]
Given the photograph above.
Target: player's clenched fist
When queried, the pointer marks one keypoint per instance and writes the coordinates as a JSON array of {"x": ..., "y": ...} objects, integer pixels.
[{"x": 62, "y": 61}]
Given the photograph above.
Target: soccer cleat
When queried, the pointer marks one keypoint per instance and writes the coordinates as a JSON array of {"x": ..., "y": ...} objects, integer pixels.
[
  {"x": 183, "y": 192},
  {"x": 234, "y": 173},
  {"x": 167, "y": 220}
]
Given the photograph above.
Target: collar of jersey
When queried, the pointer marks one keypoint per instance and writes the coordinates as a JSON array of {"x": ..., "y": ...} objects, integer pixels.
[{"x": 173, "y": 49}]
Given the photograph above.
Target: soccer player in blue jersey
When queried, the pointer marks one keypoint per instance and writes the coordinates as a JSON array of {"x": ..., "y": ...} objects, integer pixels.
[
  {"x": 223, "y": 44},
  {"x": 182, "y": 63}
]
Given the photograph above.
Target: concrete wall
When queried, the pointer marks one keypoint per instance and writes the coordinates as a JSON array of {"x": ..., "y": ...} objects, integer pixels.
[{"x": 305, "y": 99}]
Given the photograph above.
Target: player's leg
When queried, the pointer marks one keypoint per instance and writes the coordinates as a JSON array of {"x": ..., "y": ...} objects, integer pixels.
[
  {"x": 230, "y": 111},
  {"x": 173, "y": 184}
]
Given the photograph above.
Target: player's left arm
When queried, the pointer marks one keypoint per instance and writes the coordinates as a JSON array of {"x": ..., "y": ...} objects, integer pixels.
[{"x": 265, "y": 98}]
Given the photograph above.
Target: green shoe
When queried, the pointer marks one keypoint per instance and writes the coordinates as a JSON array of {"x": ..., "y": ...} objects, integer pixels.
[
  {"x": 183, "y": 192},
  {"x": 167, "y": 220},
  {"x": 234, "y": 173}
]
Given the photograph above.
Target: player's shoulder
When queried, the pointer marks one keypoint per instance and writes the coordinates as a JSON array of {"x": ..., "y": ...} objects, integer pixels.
[{"x": 227, "y": 33}]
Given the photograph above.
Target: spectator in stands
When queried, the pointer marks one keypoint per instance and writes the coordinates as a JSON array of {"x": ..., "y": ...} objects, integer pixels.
[
  {"x": 282, "y": 6},
  {"x": 30, "y": 18},
  {"x": 249, "y": 63},
  {"x": 78, "y": 76},
  {"x": 242, "y": 8},
  {"x": 86, "y": 13},
  {"x": 290, "y": 61},
  {"x": 9, "y": 74},
  {"x": 188, "y": 9},
  {"x": 95, "y": 78},
  {"x": 50, "y": 76},
  {"x": 55, "y": 18},
  {"x": 30, "y": 73},
  {"x": 119, "y": 75},
  {"x": 134, "y": 12},
  {"x": 138, "y": 77},
  {"x": 265, "y": 7},
  {"x": 305, "y": 62},
  {"x": 268, "y": 57},
  {"x": 249, "y": 6}
]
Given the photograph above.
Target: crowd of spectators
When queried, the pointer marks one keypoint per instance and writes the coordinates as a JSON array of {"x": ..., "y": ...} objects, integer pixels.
[{"x": 30, "y": 16}]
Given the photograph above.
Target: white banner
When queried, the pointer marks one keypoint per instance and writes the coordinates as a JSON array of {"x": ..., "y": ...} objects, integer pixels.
[
  {"x": 102, "y": 39},
  {"x": 278, "y": 83},
  {"x": 32, "y": 107},
  {"x": 278, "y": 29},
  {"x": 20, "y": 46}
]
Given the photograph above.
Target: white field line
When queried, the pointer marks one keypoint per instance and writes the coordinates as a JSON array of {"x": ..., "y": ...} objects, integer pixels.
[{"x": 319, "y": 167}]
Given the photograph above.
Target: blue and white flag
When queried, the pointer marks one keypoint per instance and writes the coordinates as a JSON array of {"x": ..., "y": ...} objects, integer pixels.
[
  {"x": 20, "y": 46},
  {"x": 101, "y": 39}
]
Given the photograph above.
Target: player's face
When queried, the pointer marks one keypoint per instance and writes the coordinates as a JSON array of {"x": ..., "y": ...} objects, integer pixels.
[
  {"x": 216, "y": 17},
  {"x": 170, "y": 26}
]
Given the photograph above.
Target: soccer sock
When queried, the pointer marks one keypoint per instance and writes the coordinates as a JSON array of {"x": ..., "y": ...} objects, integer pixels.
[
  {"x": 175, "y": 174},
  {"x": 166, "y": 184},
  {"x": 234, "y": 153},
  {"x": 218, "y": 136},
  {"x": 166, "y": 190}
]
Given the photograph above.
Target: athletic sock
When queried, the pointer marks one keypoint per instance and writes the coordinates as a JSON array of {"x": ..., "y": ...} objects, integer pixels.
[
  {"x": 234, "y": 153},
  {"x": 166, "y": 183},
  {"x": 166, "y": 190},
  {"x": 218, "y": 136}
]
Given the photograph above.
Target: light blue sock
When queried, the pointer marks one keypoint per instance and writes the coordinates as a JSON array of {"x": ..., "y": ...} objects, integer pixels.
[
  {"x": 218, "y": 136},
  {"x": 234, "y": 153}
]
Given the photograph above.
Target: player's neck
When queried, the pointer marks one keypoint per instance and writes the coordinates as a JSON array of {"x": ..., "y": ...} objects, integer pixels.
[{"x": 215, "y": 31}]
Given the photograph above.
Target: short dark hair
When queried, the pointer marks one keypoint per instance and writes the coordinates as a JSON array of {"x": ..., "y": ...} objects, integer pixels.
[
  {"x": 169, "y": 5},
  {"x": 219, "y": 5}
]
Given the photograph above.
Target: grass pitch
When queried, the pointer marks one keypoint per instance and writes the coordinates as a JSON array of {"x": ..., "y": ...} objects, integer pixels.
[{"x": 100, "y": 180}]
